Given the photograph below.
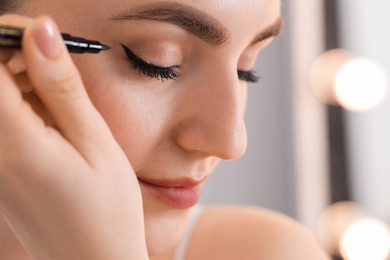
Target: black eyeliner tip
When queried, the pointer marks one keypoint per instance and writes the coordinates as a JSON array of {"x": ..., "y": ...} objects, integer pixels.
[{"x": 105, "y": 47}]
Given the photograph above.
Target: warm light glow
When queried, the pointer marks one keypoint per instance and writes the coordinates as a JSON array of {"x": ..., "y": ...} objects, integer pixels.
[
  {"x": 323, "y": 72},
  {"x": 333, "y": 221},
  {"x": 360, "y": 84},
  {"x": 366, "y": 239}
]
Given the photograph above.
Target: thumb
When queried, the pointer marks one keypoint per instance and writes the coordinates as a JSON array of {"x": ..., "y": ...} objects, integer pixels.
[{"x": 57, "y": 82}]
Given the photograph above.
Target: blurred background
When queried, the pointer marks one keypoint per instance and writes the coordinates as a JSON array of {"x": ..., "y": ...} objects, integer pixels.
[{"x": 318, "y": 127}]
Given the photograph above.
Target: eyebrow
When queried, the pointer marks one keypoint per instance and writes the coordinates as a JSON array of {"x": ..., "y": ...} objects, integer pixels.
[
  {"x": 272, "y": 30},
  {"x": 192, "y": 20}
]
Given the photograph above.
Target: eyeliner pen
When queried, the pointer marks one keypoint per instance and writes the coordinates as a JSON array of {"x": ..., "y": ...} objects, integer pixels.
[{"x": 11, "y": 37}]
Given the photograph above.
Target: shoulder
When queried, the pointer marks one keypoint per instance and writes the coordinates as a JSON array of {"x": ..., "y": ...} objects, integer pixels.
[{"x": 251, "y": 233}]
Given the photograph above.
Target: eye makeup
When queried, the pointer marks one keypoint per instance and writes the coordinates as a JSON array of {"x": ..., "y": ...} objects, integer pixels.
[
  {"x": 149, "y": 69},
  {"x": 248, "y": 76},
  {"x": 171, "y": 72}
]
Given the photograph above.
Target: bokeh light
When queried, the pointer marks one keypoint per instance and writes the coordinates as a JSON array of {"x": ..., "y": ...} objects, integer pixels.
[
  {"x": 339, "y": 77},
  {"x": 365, "y": 239},
  {"x": 360, "y": 84},
  {"x": 333, "y": 221}
]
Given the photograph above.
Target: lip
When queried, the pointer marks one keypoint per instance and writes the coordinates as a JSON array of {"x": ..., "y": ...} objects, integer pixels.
[{"x": 179, "y": 193}]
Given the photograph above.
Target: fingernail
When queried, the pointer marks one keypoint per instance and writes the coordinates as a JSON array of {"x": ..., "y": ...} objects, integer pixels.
[{"x": 47, "y": 40}]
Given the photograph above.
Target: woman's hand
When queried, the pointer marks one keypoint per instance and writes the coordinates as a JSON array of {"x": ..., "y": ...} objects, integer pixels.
[{"x": 67, "y": 190}]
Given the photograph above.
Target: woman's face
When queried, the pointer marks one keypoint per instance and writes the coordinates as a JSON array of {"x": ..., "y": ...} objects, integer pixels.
[{"x": 169, "y": 88}]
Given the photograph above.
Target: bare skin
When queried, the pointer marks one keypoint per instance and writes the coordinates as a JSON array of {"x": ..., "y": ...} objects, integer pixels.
[{"x": 102, "y": 132}]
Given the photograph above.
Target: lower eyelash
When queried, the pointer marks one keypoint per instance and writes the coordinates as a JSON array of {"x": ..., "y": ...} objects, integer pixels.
[
  {"x": 148, "y": 69},
  {"x": 153, "y": 71},
  {"x": 248, "y": 76}
]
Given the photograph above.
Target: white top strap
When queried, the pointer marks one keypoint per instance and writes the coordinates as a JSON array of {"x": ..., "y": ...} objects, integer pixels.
[{"x": 181, "y": 249}]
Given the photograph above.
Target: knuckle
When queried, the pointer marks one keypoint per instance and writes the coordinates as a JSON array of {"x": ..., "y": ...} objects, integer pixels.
[
  {"x": 16, "y": 63},
  {"x": 67, "y": 82}
]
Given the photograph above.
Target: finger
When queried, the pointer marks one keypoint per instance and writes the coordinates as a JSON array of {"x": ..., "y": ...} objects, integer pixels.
[
  {"x": 16, "y": 63},
  {"x": 39, "y": 108},
  {"x": 9, "y": 94},
  {"x": 13, "y": 110},
  {"x": 15, "y": 113},
  {"x": 16, "y": 116},
  {"x": 15, "y": 20},
  {"x": 59, "y": 85},
  {"x": 6, "y": 54},
  {"x": 23, "y": 82}
]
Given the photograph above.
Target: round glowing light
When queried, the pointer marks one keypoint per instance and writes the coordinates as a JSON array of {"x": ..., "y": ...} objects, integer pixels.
[
  {"x": 323, "y": 72},
  {"x": 360, "y": 84},
  {"x": 366, "y": 239},
  {"x": 333, "y": 221}
]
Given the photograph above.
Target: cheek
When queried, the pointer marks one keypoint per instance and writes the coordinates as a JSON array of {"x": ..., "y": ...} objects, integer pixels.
[{"x": 131, "y": 112}]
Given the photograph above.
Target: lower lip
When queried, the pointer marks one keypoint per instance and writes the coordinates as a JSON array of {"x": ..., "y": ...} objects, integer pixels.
[{"x": 178, "y": 197}]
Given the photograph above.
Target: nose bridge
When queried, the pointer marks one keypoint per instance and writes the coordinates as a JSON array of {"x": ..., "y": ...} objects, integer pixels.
[{"x": 214, "y": 122}]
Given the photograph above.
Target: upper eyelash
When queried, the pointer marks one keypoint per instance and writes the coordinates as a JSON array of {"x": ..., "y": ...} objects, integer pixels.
[
  {"x": 150, "y": 69},
  {"x": 162, "y": 73},
  {"x": 248, "y": 76}
]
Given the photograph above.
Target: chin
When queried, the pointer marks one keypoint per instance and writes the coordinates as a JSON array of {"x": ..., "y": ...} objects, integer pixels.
[{"x": 164, "y": 227}]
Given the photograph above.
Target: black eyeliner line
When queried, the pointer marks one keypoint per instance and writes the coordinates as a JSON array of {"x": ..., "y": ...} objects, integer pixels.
[
  {"x": 158, "y": 72},
  {"x": 148, "y": 68},
  {"x": 140, "y": 61}
]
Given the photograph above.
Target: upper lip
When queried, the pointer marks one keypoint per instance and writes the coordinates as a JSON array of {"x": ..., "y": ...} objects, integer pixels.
[{"x": 173, "y": 183}]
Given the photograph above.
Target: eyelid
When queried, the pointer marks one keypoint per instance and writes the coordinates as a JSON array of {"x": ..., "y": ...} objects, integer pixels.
[
  {"x": 136, "y": 58},
  {"x": 149, "y": 69},
  {"x": 159, "y": 72}
]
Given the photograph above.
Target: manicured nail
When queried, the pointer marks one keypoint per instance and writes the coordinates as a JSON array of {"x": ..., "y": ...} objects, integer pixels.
[{"x": 47, "y": 40}]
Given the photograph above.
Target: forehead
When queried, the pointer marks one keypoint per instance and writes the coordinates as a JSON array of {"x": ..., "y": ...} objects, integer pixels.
[
  {"x": 259, "y": 7},
  {"x": 232, "y": 14},
  {"x": 228, "y": 12}
]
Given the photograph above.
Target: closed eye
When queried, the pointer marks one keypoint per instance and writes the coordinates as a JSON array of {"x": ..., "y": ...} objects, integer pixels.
[
  {"x": 248, "y": 76},
  {"x": 148, "y": 69},
  {"x": 165, "y": 73}
]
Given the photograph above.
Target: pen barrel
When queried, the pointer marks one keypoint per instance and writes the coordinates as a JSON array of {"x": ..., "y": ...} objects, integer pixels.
[
  {"x": 81, "y": 45},
  {"x": 10, "y": 37}
]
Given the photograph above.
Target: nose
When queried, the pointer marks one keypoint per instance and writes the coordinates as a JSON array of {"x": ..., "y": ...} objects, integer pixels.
[{"x": 212, "y": 119}]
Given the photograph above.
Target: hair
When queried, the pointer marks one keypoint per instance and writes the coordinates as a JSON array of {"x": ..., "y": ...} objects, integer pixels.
[{"x": 7, "y": 6}]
